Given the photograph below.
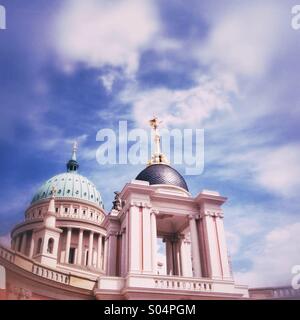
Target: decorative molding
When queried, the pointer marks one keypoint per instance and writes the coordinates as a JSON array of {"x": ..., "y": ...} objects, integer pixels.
[
  {"x": 140, "y": 204},
  {"x": 155, "y": 211},
  {"x": 113, "y": 234},
  {"x": 212, "y": 213},
  {"x": 193, "y": 216}
]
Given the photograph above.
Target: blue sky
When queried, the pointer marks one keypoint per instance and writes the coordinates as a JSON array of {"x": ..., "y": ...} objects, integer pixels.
[{"x": 70, "y": 68}]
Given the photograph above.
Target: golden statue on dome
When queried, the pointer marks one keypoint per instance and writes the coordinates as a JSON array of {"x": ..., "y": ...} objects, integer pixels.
[{"x": 157, "y": 157}]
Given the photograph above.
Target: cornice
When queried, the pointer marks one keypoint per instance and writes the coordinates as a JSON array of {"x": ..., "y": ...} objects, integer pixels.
[{"x": 212, "y": 213}]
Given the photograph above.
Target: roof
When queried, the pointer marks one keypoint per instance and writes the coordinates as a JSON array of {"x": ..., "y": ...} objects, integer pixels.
[{"x": 162, "y": 174}]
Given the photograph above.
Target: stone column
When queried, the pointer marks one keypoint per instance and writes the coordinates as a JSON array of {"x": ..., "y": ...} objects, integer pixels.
[
  {"x": 104, "y": 265},
  {"x": 127, "y": 243},
  {"x": 90, "y": 257},
  {"x": 176, "y": 245},
  {"x": 184, "y": 259},
  {"x": 123, "y": 253},
  {"x": 212, "y": 244},
  {"x": 147, "y": 239},
  {"x": 31, "y": 250},
  {"x": 154, "y": 242},
  {"x": 13, "y": 244},
  {"x": 195, "y": 247},
  {"x": 169, "y": 257},
  {"x": 17, "y": 242},
  {"x": 79, "y": 249},
  {"x": 24, "y": 242},
  {"x": 222, "y": 246},
  {"x": 174, "y": 259},
  {"x": 112, "y": 254},
  {"x": 135, "y": 239},
  {"x": 99, "y": 251},
  {"x": 68, "y": 244}
]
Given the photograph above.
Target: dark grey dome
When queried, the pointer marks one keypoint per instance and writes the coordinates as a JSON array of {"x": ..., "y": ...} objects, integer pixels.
[{"x": 162, "y": 174}]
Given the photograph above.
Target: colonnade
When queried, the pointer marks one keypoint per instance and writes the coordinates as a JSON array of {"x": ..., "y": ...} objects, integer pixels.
[
  {"x": 91, "y": 236},
  {"x": 20, "y": 244}
]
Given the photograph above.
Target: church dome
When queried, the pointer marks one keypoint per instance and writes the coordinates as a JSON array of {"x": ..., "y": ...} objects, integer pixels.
[
  {"x": 162, "y": 174},
  {"x": 70, "y": 185}
]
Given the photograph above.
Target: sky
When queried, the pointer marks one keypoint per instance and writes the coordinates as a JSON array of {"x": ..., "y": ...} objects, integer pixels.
[{"x": 69, "y": 68}]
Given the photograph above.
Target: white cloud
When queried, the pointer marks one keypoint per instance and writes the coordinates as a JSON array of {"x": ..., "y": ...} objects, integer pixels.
[
  {"x": 263, "y": 244},
  {"x": 246, "y": 225},
  {"x": 181, "y": 107},
  {"x": 274, "y": 169},
  {"x": 278, "y": 170},
  {"x": 99, "y": 33},
  {"x": 243, "y": 222},
  {"x": 108, "y": 80},
  {"x": 273, "y": 258},
  {"x": 235, "y": 46},
  {"x": 167, "y": 44},
  {"x": 233, "y": 242},
  {"x": 245, "y": 38}
]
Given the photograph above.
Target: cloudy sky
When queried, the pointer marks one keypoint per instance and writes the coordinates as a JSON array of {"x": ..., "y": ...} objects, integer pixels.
[{"x": 70, "y": 68}]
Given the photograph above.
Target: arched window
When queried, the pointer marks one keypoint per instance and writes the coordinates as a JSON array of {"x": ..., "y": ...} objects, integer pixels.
[
  {"x": 39, "y": 246},
  {"x": 50, "y": 245}
]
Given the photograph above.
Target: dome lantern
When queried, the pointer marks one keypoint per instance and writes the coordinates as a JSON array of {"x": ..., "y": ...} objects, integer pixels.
[{"x": 72, "y": 165}]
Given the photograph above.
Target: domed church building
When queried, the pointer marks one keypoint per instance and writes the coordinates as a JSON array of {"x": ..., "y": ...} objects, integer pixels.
[
  {"x": 61, "y": 239},
  {"x": 68, "y": 247}
]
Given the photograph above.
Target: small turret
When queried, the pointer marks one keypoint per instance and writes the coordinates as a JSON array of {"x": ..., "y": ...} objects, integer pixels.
[{"x": 50, "y": 216}]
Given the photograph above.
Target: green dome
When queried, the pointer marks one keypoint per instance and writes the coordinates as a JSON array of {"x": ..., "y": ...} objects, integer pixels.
[{"x": 69, "y": 185}]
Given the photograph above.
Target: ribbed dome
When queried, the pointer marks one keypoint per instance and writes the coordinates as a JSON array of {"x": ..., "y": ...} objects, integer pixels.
[
  {"x": 69, "y": 185},
  {"x": 162, "y": 174}
]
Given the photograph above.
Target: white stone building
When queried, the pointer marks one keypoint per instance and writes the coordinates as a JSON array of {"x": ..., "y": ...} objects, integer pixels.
[{"x": 68, "y": 247}]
